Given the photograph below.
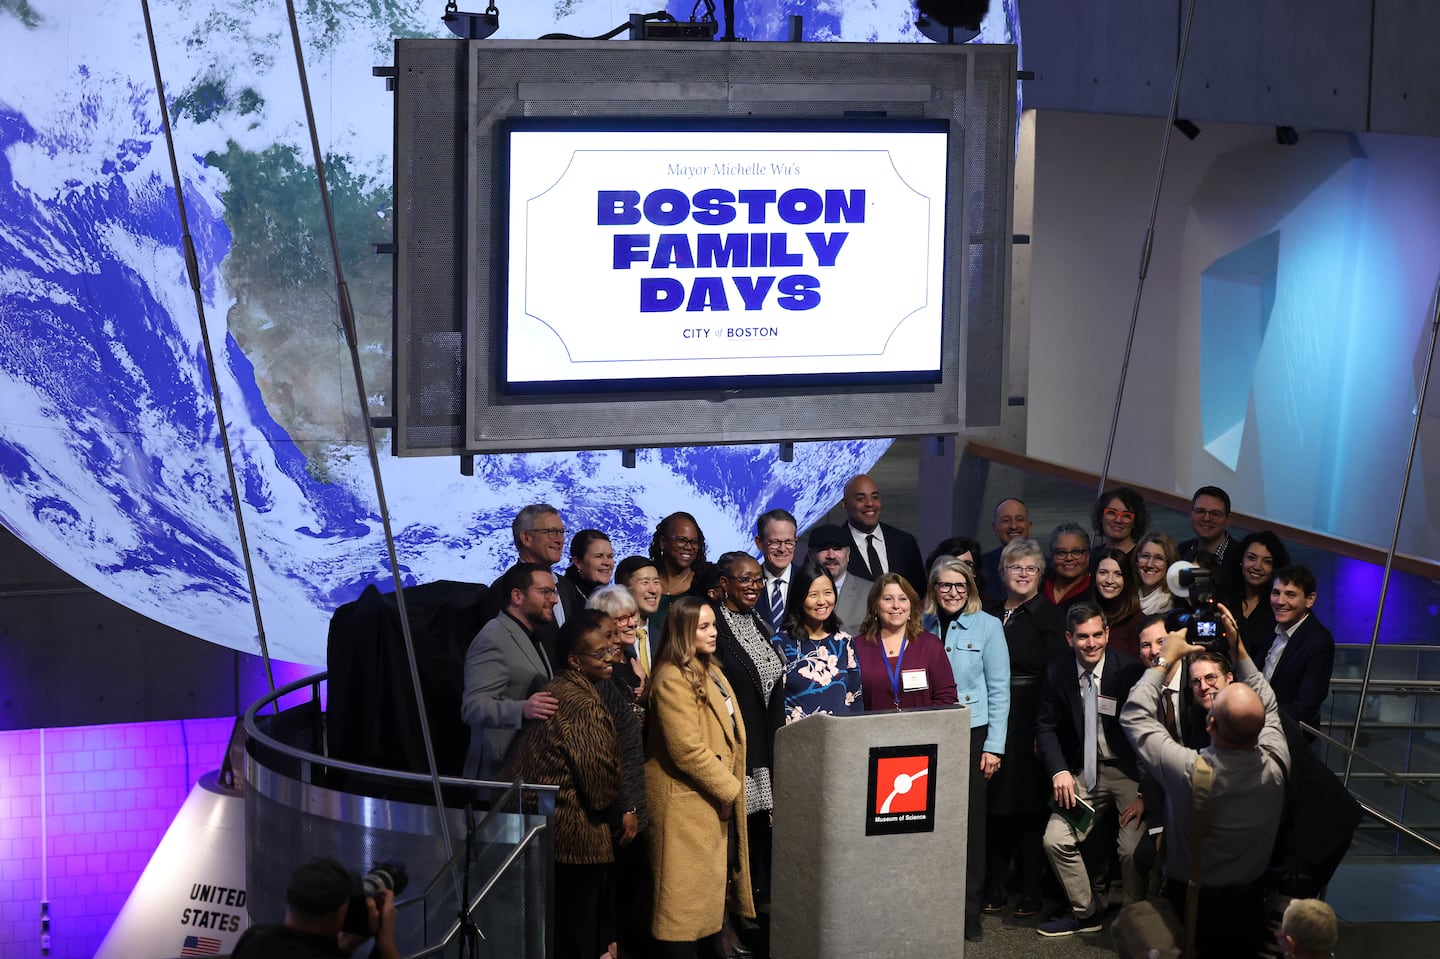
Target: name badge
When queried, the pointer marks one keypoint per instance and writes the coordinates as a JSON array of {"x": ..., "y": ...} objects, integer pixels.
[
  {"x": 1106, "y": 705},
  {"x": 914, "y": 681}
]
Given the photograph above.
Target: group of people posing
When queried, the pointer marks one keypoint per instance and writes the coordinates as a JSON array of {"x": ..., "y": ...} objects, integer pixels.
[{"x": 653, "y": 703}]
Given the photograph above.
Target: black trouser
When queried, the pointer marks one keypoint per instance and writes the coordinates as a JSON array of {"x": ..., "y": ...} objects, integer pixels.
[
  {"x": 1230, "y": 921},
  {"x": 975, "y": 838},
  {"x": 1024, "y": 832},
  {"x": 584, "y": 909},
  {"x": 634, "y": 899}
]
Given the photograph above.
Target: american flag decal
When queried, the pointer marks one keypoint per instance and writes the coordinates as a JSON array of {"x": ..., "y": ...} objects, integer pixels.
[{"x": 200, "y": 946}]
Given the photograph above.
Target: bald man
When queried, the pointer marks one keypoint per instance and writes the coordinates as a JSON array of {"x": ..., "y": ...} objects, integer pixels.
[
  {"x": 1249, "y": 756},
  {"x": 879, "y": 547},
  {"x": 1011, "y": 521}
]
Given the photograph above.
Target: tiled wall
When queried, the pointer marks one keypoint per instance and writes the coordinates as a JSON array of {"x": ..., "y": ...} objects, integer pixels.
[{"x": 110, "y": 792}]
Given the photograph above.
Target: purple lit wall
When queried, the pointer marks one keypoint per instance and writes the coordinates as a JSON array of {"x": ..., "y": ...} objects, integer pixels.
[{"x": 102, "y": 798}]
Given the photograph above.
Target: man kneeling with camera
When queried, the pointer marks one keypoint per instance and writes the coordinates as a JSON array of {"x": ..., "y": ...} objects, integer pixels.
[{"x": 318, "y": 921}]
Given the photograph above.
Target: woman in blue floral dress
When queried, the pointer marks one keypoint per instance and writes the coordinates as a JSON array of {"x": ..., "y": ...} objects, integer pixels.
[{"x": 822, "y": 674}]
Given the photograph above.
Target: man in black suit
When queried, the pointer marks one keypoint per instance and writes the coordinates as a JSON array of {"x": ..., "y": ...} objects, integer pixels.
[
  {"x": 1088, "y": 758},
  {"x": 1300, "y": 655},
  {"x": 879, "y": 547}
]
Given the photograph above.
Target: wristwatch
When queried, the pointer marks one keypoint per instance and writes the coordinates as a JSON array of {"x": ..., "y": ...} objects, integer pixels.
[{"x": 1161, "y": 662}]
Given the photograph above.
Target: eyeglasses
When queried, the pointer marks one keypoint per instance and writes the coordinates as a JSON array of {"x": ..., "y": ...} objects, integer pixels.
[
  {"x": 600, "y": 655},
  {"x": 780, "y": 543},
  {"x": 1018, "y": 570},
  {"x": 747, "y": 579},
  {"x": 1069, "y": 553},
  {"x": 546, "y": 591},
  {"x": 1209, "y": 679},
  {"x": 1123, "y": 515},
  {"x": 684, "y": 541},
  {"x": 554, "y": 532},
  {"x": 1199, "y": 513},
  {"x": 951, "y": 588},
  {"x": 1149, "y": 561},
  {"x": 626, "y": 618}
]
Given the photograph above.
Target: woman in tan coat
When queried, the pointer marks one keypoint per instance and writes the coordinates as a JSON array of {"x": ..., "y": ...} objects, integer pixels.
[{"x": 695, "y": 786}]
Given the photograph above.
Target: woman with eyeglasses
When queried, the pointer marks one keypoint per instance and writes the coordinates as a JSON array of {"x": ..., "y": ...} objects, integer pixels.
[
  {"x": 578, "y": 750},
  {"x": 1153, "y": 558},
  {"x": 1261, "y": 554},
  {"x": 695, "y": 782},
  {"x": 755, "y": 672},
  {"x": 623, "y": 697},
  {"x": 1068, "y": 581},
  {"x": 1035, "y": 638},
  {"x": 975, "y": 645},
  {"x": 1119, "y": 519},
  {"x": 617, "y": 603},
  {"x": 678, "y": 549},
  {"x": 822, "y": 674}
]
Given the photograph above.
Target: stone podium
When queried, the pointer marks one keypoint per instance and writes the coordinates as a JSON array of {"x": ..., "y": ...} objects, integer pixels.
[{"x": 870, "y": 835}]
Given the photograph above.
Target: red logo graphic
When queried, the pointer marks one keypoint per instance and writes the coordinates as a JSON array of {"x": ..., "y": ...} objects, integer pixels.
[{"x": 901, "y": 785}]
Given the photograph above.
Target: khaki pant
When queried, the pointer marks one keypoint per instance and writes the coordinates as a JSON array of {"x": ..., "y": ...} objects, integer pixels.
[{"x": 1113, "y": 792}]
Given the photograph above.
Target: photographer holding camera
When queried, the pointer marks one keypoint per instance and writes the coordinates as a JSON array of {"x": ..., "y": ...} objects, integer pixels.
[
  {"x": 320, "y": 897},
  {"x": 1249, "y": 758}
]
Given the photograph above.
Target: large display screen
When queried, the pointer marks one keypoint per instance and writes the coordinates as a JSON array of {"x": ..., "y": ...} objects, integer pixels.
[{"x": 721, "y": 253}]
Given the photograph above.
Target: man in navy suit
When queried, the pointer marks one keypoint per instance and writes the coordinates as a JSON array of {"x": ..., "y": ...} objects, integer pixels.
[
  {"x": 1299, "y": 657},
  {"x": 879, "y": 547},
  {"x": 1088, "y": 758},
  {"x": 775, "y": 538}
]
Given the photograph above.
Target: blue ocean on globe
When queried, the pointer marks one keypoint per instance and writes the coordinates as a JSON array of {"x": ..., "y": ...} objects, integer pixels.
[{"x": 110, "y": 450}]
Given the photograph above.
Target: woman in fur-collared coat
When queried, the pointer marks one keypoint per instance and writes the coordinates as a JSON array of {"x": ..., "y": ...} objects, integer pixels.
[{"x": 695, "y": 785}]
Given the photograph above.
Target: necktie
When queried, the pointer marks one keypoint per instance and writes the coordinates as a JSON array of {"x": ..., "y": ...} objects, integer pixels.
[
  {"x": 1092, "y": 744},
  {"x": 873, "y": 555},
  {"x": 777, "y": 605},
  {"x": 642, "y": 643},
  {"x": 1170, "y": 714}
]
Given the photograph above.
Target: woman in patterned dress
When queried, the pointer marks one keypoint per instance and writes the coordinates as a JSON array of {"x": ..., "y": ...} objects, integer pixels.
[{"x": 822, "y": 674}]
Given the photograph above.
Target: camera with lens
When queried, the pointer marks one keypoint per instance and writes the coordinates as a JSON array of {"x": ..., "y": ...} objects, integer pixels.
[
  {"x": 384, "y": 875},
  {"x": 1202, "y": 623}
]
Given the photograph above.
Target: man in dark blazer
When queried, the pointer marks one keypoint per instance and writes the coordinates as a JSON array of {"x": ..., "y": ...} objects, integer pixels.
[
  {"x": 1108, "y": 778},
  {"x": 1009, "y": 522},
  {"x": 879, "y": 547},
  {"x": 506, "y": 669},
  {"x": 1298, "y": 658}
]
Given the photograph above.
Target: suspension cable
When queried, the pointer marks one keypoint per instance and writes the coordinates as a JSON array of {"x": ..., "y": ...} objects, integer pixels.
[{"x": 347, "y": 323}]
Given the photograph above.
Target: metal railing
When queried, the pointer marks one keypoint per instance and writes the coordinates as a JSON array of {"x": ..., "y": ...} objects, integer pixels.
[{"x": 1390, "y": 775}]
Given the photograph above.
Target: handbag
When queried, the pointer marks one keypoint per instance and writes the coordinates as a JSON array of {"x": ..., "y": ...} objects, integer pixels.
[{"x": 1149, "y": 929}]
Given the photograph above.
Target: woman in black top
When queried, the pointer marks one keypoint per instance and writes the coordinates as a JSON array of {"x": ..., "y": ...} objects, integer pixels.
[
  {"x": 1261, "y": 554},
  {"x": 756, "y": 673},
  {"x": 1035, "y": 635}
]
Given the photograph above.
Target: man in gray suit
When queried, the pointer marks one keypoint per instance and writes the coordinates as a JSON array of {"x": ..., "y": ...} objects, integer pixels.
[
  {"x": 506, "y": 669},
  {"x": 830, "y": 547}
]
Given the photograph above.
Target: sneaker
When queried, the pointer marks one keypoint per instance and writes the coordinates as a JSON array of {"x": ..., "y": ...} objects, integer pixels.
[
  {"x": 992, "y": 904},
  {"x": 973, "y": 931},
  {"x": 1068, "y": 925},
  {"x": 1027, "y": 907}
]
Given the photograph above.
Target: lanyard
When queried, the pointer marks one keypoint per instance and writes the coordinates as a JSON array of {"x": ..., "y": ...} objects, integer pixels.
[{"x": 899, "y": 668}]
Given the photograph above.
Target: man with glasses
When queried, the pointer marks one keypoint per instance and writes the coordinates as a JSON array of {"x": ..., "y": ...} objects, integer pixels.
[
  {"x": 1210, "y": 521},
  {"x": 830, "y": 547},
  {"x": 539, "y": 535},
  {"x": 775, "y": 538},
  {"x": 507, "y": 667}
]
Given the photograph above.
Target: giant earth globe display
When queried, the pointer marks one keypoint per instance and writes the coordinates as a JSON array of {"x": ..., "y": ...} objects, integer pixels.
[{"x": 111, "y": 464}]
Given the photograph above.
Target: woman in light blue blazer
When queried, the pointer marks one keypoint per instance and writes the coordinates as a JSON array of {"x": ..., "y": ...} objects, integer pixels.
[{"x": 975, "y": 644}]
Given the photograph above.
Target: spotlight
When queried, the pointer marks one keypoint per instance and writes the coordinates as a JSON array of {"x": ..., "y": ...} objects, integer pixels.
[
  {"x": 1286, "y": 136},
  {"x": 1187, "y": 127},
  {"x": 471, "y": 26},
  {"x": 950, "y": 21}
]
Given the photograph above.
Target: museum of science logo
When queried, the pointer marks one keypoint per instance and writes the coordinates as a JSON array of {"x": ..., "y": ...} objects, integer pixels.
[{"x": 901, "y": 793}]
